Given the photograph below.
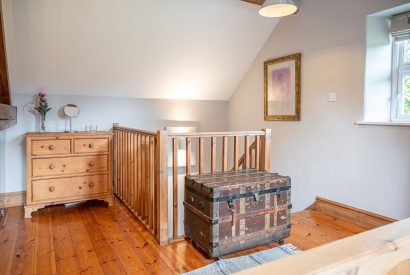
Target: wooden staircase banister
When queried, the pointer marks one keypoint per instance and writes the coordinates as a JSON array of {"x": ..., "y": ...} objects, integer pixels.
[
  {"x": 241, "y": 160},
  {"x": 141, "y": 169}
]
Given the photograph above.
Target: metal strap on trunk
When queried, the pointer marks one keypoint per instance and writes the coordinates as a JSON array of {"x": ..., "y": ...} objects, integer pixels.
[{"x": 240, "y": 196}]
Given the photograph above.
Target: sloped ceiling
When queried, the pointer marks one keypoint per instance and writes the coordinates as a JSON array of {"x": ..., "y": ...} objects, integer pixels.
[{"x": 179, "y": 49}]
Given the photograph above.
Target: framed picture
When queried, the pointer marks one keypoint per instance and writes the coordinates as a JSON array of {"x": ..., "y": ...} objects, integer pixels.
[{"x": 282, "y": 88}]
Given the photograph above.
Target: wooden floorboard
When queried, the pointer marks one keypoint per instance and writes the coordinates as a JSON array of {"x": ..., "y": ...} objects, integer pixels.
[
  {"x": 86, "y": 256},
  {"x": 91, "y": 238},
  {"x": 65, "y": 257}
]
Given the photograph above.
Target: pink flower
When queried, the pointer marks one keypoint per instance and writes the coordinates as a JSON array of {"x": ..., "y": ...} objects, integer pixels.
[
  {"x": 41, "y": 94},
  {"x": 43, "y": 99}
]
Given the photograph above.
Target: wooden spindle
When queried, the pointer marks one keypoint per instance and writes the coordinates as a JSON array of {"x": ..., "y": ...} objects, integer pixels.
[
  {"x": 235, "y": 153},
  {"x": 147, "y": 179},
  {"x": 251, "y": 157},
  {"x": 155, "y": 195},
  {"x": 175, "y": 185},
  {"x": 119, "y": 158},
  {"x": 127, "y": 165},
  {"x": 201, "y": 156},
  {"x": 246, "y": 163},
  {"x": 225, "y": 154},
  {"x": 122, "y": 165},
  {"x": 114, "y": 153},
  {"x": 132, "y": 169},
  {"x": 213, "y": 154},
  {"x": 144, "y": 176},
  {"x": 188, "y": 157},
  {"x": 257, "y": 152},
  {"x": 152, "y": 172},
  {"x": 135, "y": 175},
  {"x": 139, "y": 179},
  {"x": 115, "y": 159}
]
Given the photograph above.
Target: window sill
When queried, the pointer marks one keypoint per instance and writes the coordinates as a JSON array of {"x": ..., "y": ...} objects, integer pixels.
[{"x": 383, "y": 123}]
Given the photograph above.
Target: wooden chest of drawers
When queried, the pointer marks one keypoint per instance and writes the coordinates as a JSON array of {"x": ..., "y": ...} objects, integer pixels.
[{"x": 68, "y": 167}]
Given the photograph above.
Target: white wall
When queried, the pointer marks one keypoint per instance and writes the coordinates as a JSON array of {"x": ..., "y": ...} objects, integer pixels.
[
  {"x": 325, "y": 154},
  {"x": 147, "y": 114},
  {"x": 179, "y": 49}
]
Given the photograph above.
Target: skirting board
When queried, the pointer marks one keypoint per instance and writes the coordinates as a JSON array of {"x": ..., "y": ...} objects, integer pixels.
[
  {"x": 12, "y": 199},
  {"x": 350, "y": 214}
]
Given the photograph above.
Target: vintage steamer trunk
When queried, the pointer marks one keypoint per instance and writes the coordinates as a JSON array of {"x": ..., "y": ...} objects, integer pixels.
[{"x": 231, "y": 211}]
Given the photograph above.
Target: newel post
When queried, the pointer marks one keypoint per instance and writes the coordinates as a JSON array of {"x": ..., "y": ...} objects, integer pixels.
[
  {"x": 162, "y": 186},
  {"x": 266, "y": 150},
  {"x": 115, "y": 156}
]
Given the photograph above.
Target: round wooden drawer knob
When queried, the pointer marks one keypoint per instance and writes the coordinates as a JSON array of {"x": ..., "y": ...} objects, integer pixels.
[
  {"x": 51, "y": 147},
  {"x": 91, "y": 184},
  {"x": 91, "y": 163},
  {"x": 51, "y": 166},
  {"x": 90, "y": 145},
  {"x": 51, "y": 189}
]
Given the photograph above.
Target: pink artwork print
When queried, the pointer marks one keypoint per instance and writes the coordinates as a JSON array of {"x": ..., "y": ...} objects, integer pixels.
[{"x": 281, "y": 90}]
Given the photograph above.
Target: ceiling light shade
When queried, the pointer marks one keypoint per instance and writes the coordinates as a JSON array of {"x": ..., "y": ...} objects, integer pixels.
[{"x": 278, "y": 8}]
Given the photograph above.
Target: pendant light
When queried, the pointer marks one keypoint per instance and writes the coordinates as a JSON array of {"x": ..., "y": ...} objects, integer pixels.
[{"x": 278, "y": 8}]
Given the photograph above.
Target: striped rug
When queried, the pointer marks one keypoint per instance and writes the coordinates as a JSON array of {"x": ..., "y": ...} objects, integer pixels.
[{"x": 229, "y": 266}]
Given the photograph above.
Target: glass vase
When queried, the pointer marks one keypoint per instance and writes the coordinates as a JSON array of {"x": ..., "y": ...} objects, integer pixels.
[{"x": 42, "y": 123}]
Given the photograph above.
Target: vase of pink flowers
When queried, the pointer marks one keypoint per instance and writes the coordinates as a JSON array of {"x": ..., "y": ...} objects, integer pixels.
[{"x": 42, "y": 108}]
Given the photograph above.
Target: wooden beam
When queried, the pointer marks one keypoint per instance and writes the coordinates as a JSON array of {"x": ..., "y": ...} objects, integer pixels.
[{"x": 4, "y": 81}]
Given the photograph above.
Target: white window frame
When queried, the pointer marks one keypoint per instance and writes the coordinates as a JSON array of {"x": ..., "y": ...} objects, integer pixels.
[{"x": 399, "y": 69}]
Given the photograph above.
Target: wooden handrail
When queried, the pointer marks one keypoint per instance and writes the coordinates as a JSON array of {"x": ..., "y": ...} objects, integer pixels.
[
  {"x": 377, "y": 251},
  {"x": 218, "y": 134},
  {"x": 128, "y": 129}
]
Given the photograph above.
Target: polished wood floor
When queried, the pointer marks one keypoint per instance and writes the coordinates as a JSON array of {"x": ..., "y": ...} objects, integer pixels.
[{"x": 91, "y": 238}]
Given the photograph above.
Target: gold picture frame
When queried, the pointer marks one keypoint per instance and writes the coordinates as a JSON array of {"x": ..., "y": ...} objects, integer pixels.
[{"x": 282, "y": 81}]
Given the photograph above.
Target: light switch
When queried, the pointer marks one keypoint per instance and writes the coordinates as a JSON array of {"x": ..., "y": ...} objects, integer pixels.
[{"x": 332, "y": 97}]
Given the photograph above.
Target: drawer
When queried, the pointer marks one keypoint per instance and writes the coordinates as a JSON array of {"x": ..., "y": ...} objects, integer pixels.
[
  {"x": 69, "y": 165},
  {"x": 91, "y": 145},
  {"x": 63, "y": 188},
  {"x": 50, "y": 147}
]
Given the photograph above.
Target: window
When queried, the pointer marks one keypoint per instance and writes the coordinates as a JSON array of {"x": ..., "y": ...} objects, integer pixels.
[
  {"x": 400, "y": 31},
  {"x": 401, "y": 80}
]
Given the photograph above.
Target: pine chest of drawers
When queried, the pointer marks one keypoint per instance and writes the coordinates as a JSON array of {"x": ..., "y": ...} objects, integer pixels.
[{"x": 67, "y": 167}]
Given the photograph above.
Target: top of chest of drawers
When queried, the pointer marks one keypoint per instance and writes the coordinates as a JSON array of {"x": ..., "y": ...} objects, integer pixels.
[{"x": 48, "y": 144}]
